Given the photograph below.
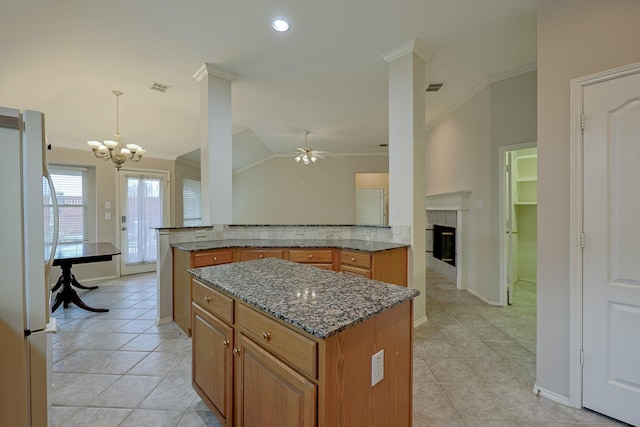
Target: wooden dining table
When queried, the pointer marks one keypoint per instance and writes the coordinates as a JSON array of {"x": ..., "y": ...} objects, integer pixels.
[{"x": 68, "y": 254}]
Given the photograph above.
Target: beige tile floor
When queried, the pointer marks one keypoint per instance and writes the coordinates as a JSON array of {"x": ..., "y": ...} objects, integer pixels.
[{"x": 474, "y": 364}]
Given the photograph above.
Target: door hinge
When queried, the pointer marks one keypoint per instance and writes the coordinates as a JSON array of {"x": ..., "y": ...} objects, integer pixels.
[
  {"x": 582, "y": 239},
  {"x": 508, "y": 168},
  {"x": 581, "y": 357},
  {"x": 582, "y": 121}
]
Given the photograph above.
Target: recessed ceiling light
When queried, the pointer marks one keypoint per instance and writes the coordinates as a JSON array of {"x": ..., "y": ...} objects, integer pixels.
[{"x": 280, "y": 25}]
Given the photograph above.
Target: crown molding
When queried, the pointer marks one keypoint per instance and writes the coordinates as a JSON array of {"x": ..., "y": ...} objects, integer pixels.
[
  {"x": 473, "y": 92},
  {"x": 412, "y": 46},
  {"x": 208, "y": 69}
]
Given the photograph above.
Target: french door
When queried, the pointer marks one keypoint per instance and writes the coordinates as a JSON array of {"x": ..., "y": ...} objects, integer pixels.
[{"x": 144, "y": 206}]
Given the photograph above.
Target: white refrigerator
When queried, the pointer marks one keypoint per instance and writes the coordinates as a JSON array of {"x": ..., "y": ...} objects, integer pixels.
[{"x": 25, "y": 344}]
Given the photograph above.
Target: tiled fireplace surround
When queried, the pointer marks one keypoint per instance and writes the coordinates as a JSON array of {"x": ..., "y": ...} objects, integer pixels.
[{"x": 450, "y": 210}]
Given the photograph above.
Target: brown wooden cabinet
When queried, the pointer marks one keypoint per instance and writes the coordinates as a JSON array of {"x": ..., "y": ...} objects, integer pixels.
[
  {"x": 212, "y": 357},
  {"x": 261, "y": 253},
  {"x": 252, "y": 369},
  {"x": 268, "y": 391},
  {"x": 182, "y": 261},
  {"x": 387, "y": 266},
  {"x": 317, "y": 257}
]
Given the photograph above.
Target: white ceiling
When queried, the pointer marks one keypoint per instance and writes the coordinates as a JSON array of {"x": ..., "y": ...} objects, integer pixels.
[{"x": 326, "y": 74}]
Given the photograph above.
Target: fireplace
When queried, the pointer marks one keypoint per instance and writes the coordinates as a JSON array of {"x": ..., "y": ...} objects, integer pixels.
[{"x": 444, "y": 244}]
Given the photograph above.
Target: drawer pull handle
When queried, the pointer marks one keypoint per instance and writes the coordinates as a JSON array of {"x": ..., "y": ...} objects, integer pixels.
[
  {"x": 225, "y": 342},
  {"x": 207, "y": 299},
  {"x": 310, "y": 256},
  {"x": 236, "y": 351},
  {"x": 266, "y": 336},
  {"x": 215, "y": 258},
  {"x": 353, "y": 258},
  {"x": 261, "y": 256}
]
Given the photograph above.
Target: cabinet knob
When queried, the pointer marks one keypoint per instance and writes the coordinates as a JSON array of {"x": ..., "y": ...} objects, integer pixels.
[
  {"x": 207, "y": 299},
  {"x": 225, "y": 342},
  {"x": 236, "y": 351},
  {"x": 310, "y": 256},
  {"x": 260, "y": 256},
  {"x": 266, "y": 336},
  {"x": 353, "y": 258},
  {"x": 215, "y": 258}
]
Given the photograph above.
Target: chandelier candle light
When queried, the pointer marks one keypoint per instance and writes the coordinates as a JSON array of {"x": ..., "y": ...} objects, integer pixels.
[{"x": 107, "y": 150}]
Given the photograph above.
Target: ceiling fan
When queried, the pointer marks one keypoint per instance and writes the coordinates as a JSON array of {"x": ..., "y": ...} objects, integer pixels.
[{"x": 308, "y": 155}]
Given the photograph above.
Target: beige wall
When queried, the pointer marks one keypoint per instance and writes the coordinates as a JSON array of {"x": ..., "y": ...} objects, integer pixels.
[
  {"x": 281, "y": 191},
  {"x": 462, "y": 155},
  {"x": 575, "y": 38},
  {"x": 183, "y": 169},
  {"x": 105, "y": 191}
]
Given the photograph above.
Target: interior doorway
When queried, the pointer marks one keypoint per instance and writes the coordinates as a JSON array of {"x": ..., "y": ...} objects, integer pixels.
[{"x": 518, "y": 218}]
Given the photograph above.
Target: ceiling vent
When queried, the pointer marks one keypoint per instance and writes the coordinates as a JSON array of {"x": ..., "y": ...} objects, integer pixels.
[
  {"x": 160, "y": 87},
  {"x": 435, "y": 87}
]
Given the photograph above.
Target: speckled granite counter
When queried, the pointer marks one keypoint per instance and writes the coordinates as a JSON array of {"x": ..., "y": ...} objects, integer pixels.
[
  {"x": 358, "y": 245},
  {"x": 317, "y": 301}
]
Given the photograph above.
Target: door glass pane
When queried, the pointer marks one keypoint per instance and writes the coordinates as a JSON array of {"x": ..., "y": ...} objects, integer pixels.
[{"x": 144, "y": 214}]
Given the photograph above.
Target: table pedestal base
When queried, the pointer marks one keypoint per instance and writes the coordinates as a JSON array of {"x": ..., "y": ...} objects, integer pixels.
[{"x": 67, "y": 294}]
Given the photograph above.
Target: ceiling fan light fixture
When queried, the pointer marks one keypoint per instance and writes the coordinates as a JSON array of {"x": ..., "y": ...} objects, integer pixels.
[
  {"x": 307, "y": 155},
  {"x": 280, "y": 25}
]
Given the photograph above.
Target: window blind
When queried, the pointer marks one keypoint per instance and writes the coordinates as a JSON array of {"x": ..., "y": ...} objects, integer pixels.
[
  {"x": 71, "y": 192},
  {"x": 191, "y": 202}
]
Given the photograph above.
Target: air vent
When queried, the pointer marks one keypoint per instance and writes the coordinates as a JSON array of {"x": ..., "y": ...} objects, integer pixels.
[
  {"x": 160, "y": 87},
  {"x": 384, "y": 145},
  {"x": 435, "y": 87}
]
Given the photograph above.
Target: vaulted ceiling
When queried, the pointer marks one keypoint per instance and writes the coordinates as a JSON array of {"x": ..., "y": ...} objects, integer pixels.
[{"x": 325, "y": 75}]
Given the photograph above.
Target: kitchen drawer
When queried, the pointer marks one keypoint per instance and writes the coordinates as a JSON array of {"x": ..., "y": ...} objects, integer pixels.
[
  {"x": 205, "y": 258},
  {"x": 355, "y": 271},
  {"x": 311, "y": 255},
  {"x": 251, "y": 254},
  {"x": 358, "y": 259},
  {"x": 213, "y": 301},
  {"x": 294, "y": 348}
]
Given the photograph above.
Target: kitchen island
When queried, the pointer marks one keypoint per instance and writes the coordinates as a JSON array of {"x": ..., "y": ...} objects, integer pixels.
[
  {"x": 277, "y": 343},
  {"x": 383, "y": 261}
]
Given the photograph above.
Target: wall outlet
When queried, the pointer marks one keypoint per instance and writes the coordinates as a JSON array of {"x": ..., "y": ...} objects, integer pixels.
[
  {"x": 201, "y": 233},
  {"x": 107, "y": 216},
  {"x": 298, "y": 231},
  {"x": 377, "y": 367}
]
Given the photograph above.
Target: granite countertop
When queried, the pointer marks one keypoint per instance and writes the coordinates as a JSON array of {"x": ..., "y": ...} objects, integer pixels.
[
  {"x": 358, "y": 245},
  {"x": 318, "y": 301}
]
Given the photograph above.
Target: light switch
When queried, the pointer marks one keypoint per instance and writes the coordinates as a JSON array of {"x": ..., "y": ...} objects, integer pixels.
[
  {"x": 479, "y": 204},
  {"x": 107, "y": 215},
  {"x": 107, "y": 205}
]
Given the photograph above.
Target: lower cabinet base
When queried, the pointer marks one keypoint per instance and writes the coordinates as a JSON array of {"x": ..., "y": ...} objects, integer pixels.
[{"x": 268, "y": 392}]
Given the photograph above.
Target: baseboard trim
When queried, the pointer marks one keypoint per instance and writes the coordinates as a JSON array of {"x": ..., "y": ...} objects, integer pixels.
[
  {"x": 163, "y": 321},
  {"x": 420, "y": 321},
  {"x": 552, "y": 396},
  {"x": 475, "y": 294}
]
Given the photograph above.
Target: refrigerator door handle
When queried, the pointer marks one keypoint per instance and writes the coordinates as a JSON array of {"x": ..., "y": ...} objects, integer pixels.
[{"x": 54, "y": 202}]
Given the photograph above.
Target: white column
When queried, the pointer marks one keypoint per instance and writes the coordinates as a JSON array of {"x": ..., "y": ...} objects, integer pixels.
[
  {"x": 215, "y": 144},
  {"x": 164, "y": 275},
  {"x": 407, "y": 139}
]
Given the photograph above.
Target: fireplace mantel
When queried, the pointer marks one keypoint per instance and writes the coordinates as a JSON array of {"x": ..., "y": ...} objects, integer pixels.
[{"x": 454, "y": 201}]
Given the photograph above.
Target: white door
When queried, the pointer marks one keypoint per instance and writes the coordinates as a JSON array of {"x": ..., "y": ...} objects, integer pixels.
[
  {"x": 370, "y": 206},
  {"x": 143, "y": 207},
  {"x": 611, "y": 256}
]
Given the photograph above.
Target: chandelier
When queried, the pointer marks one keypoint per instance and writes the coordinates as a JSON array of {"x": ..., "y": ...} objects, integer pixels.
[
  {"x": 108, "y": 150},
  {"x": 307, "y": 155}
]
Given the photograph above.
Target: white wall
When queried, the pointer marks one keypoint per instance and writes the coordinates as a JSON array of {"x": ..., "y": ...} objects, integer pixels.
[
  {"x": 462, "y": 154},
  {"x": 575, "y": 38},
  {"x": 281, "y": 191}
]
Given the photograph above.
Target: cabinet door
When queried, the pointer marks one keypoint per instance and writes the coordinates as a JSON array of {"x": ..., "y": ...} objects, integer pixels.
[
  {"x": 212, "y": 362},
  {"x": 355, "y": 271},
  {"x": 268, "y": 392}
]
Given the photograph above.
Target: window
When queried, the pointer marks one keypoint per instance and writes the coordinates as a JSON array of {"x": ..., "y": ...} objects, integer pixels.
[
  {"x": 191, "y": 202},
  {"x": 70, "y": 184}
]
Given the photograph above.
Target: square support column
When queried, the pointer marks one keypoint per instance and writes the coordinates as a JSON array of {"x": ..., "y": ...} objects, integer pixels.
[
  {"x": 407, "y": 141},
  {"x": 216, "y": 140}
]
